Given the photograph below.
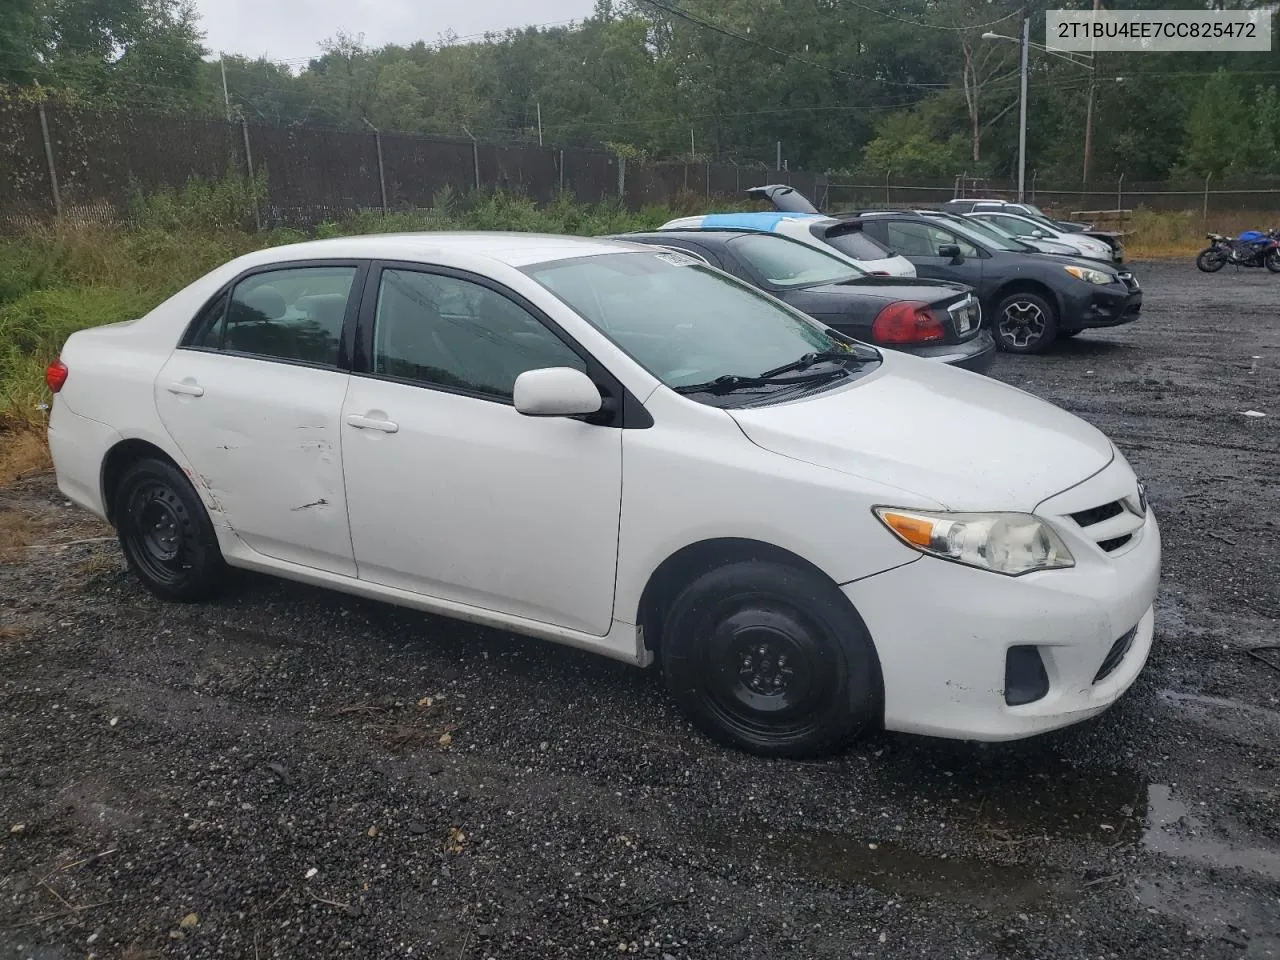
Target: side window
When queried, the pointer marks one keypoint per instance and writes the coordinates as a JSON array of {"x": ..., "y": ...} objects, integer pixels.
[
  {"x": 939, "y": 238},
  {"x": 1019, "y": 228},
  {"x": 294, "y": 314},
  {"x": 911, "y": 238},
  {"x": 446, "y": 332}
]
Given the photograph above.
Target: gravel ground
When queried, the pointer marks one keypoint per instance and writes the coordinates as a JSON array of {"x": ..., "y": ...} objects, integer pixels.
[{"x": 293, "y": 773}]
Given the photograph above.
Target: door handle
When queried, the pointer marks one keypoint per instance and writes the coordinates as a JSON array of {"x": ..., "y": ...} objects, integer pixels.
[
  {"x": 368, "y": 423},
  {"x": 185, "y": 388}
]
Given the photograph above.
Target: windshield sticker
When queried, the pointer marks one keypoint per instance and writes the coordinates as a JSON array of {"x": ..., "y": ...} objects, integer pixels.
[{"x": 676, "y": 259}]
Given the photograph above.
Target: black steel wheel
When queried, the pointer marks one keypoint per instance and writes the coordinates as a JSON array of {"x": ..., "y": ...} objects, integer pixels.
[
  {"x": 165, "y": 533},
  {"x": 1273, "y": 261},
  {"x": 1025, "y": 323},
  {"x": 1211, "y": 260},
  {"x": 771, "y": 659}
]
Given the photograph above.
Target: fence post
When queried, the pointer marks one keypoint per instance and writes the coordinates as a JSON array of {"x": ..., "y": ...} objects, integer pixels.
[
  {"x": 1034, "y": 174},
  {"x": 48, "y": 155},
  {"x": 887, "y": 174},
  {"x": 1120, "y": 193},
  {"x": 562, "y": 171},
  {"x": 253, "y": 184},
  {"x": 382, "y": 176},
  {"x": 708, "y": 179},
  {"x": 622, "y": 177},
  {"x": 1205, "y": 215}
]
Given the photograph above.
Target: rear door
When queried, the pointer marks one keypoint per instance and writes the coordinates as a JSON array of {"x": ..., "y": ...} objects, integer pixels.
[{"x": 252, "y": 398}]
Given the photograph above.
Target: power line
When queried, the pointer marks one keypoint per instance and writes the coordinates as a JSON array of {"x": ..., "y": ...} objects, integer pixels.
[
  {"x": 725, "y": 31},
  {"x": 930, "y": 26}
]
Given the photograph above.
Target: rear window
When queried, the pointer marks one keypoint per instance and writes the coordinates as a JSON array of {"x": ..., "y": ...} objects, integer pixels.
[{"x": 854, "y": 243}]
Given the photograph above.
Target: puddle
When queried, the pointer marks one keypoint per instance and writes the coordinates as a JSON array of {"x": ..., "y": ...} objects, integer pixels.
[
  {"x": 1172, "y": 830},
  {"x": 892, "y": 869}
]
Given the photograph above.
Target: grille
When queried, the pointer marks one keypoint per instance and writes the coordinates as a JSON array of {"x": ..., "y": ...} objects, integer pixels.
[
  {"x": 1111, "y": 526},
  {"x": 1087, "y": 518},
  {"x": 1115, "y": 655}
]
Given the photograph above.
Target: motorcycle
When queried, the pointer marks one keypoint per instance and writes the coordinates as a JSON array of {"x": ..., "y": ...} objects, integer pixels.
[{"x": 1253, "y": 248}]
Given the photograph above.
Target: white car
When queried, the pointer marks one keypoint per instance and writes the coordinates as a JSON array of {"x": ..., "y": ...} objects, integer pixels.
[
  {"x": 1026, "y": 229},
  {"x": 816, "y": 230},
  {"x": 624, "y": 450}
]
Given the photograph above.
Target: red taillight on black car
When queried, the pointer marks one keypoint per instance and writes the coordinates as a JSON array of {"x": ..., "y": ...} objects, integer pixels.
[
  {"x": 56, "y": 375},
  {"x": 907, "y": 321}
]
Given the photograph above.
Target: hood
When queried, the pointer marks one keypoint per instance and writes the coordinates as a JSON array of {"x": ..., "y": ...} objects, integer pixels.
[
  {"x": 953, "y": 437},
  {"x": 890, "y": 289}
]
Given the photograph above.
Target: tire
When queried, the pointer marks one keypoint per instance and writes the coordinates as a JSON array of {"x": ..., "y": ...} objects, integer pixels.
[
  {"x": 1025, "y": 323},
  {"x": 1210, "y": 260},
  {"x": 1273, "y": 261},
  {"x": 771, "y": 659},
  {"x": 165, "y": 533}
]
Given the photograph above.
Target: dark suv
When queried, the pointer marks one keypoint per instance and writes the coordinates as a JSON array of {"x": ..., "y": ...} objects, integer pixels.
[{"x": 1031, "y": 298}]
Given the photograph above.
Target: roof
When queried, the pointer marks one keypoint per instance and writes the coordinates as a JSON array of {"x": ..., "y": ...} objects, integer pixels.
[
  {"x": 757, "y": 222},
  {"x": 513, "y": 249}
]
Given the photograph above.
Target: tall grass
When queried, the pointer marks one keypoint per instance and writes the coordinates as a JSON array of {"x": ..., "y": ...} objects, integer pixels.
[
  {"x": 57, "y": 280},
  {"x": 1181, "y": 233}
]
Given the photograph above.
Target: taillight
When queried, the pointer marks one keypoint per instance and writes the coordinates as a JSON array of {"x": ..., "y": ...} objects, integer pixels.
[
  {"x": 56, "y": 375},
  {"x": 907, "y": 321}
]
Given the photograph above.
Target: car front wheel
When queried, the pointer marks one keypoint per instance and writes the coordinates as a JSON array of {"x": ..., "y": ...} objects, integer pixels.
[
  {"x": 771, "y": 659},
  {"x": 1025, "y": 323},
  {"x": 166, "y": 534}
]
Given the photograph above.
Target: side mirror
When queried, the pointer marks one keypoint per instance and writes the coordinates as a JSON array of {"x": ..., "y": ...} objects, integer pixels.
[
  {"x": 1039, "y": 234},
  {"x": 951, "y": 251},
  {"x": 556, "y": 392}
]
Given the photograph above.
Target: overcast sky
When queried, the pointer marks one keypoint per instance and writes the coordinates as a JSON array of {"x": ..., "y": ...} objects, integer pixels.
[{"x": 293, "y": 29}]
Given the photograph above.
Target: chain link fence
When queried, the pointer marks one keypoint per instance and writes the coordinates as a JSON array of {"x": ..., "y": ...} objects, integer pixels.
[{"x": 82, "y": 166}]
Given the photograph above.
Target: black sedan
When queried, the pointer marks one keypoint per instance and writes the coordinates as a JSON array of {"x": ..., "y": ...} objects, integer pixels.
[{"x": 932, "y": 319}]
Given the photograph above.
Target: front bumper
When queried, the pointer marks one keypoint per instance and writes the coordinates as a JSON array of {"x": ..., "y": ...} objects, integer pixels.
[
  {"x": 1101, "y": 307},
  {"x": 943, "y": 632},
  {"x": 976, "y": 354}
]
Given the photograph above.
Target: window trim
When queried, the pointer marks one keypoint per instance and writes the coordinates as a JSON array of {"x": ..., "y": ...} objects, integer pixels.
[
  {"x": 345, "y": 338},
  {"x": 621, "y": 409}
]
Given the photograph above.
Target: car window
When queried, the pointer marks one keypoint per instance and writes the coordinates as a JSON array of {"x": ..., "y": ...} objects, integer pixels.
[
  {"x": 683, "y": 322},
  {"x": 910, "y": 238},
  {"x": 448, "y": 332},
  {"x": 294, "y": 314},
  {"x": 789, "y": 263},
  {"x": 854, "y": 243},
  {"x": 1014, "y": 226},
  {"x": 916, "y": 239}
]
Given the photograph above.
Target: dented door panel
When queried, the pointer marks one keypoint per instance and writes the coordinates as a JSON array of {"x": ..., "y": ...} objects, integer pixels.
[{"x": 263, "y": 441}]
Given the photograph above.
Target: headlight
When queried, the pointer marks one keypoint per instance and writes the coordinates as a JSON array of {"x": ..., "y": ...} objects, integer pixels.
[
  {"x": 1008, "y": 543},
  {"x": 1091, "y": 276}
]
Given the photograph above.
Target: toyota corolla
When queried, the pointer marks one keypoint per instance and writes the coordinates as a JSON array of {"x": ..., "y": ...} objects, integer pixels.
[{"x": 623, "y": 449}]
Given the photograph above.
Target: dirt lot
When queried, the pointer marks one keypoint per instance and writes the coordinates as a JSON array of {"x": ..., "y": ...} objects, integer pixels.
[{"x": 290, "y": 773}]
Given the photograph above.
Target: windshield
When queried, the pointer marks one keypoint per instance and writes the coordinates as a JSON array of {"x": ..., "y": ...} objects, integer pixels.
[
  {"x": 682, "y": 321},
  {"x": 994, "y": 235},
  {"x": 789, "y": 263}
]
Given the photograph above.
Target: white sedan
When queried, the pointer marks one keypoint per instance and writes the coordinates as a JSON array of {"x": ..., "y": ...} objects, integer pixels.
[{"x": 622, "y": 449}]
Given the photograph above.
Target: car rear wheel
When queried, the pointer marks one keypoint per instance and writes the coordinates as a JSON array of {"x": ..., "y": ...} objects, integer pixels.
[
  {"x": 1025, "y": 323},
  {"x": 1273, "y": 261},
  {"x": 771, "y": 659},
  {"x": 166, "y": 534}
]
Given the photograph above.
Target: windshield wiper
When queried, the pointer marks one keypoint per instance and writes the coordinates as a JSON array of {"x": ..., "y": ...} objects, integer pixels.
[
  {"x": 809, "y": 359},
  {"x": 771, "y": 378}
]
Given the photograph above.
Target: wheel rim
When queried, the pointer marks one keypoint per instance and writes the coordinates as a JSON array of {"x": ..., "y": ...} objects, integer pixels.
[
  {"x": 156, "y": 537},
  {"x": 766, "y": 669},
  {"x": 1022, "y": 323}
]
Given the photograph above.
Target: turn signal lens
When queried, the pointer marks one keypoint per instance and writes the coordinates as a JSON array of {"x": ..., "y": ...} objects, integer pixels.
[
  {"x": 907, "y": 321},
  {"x": 1008, "y": 543},
  {"x": 56, "y": 375}
]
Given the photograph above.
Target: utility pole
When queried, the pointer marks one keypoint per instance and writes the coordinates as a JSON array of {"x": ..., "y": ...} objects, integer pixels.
[
  {"x": 1088, "y": 110},
  {"x": 226, "y": 98},
  {"x": 1022, "y": 114},
  {"x": 539, "y": 104},
  {"x": 779, "y": 164}
]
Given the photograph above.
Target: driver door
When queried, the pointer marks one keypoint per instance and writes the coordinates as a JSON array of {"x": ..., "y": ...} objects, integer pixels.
[{"x": 920, "y": 243}]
